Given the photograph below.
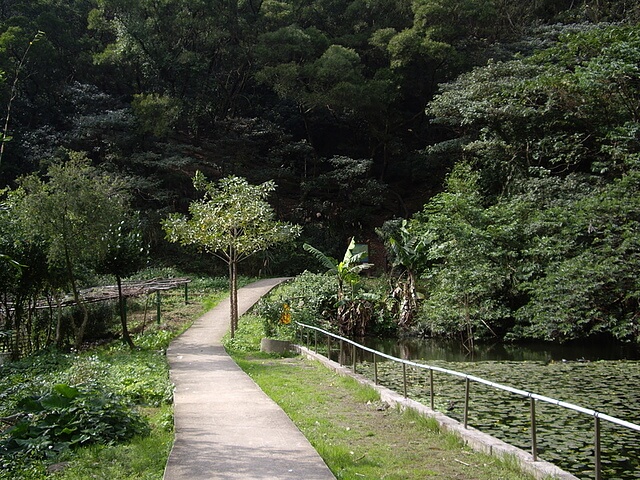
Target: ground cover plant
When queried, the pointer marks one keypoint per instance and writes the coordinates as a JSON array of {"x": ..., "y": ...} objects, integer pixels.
[
  {"x": 358, "y": 436},
  {"x": 101, "y": 412}
]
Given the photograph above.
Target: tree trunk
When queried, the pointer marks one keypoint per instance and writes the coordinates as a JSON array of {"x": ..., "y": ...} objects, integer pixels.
[
  {"x": 234, "y": 287},
  {"x": 469, "y": 327},
  {"x": 232, "y": 298},
  {"x": 78, "y": 330},
  {"x": 122, "y": 302},
  {"x": 58, "y": 321}
]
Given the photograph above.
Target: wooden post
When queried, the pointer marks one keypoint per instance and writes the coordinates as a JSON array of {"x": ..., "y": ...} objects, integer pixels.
[{"x": 158, "y": 303}]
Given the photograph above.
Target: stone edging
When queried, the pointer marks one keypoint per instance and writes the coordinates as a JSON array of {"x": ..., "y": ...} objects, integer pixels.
[{"x": 472, "y": 437}]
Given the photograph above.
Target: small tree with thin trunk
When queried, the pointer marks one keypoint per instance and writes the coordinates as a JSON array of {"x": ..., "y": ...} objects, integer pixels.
[
  {"x": 125, "y": 254},
  {"x": 233, "y": 221}
]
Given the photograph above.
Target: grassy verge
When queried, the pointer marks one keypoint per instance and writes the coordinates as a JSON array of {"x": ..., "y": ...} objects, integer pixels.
[
  {"x": 139, "y": 379},
  {"x": 358, "y": 436}
]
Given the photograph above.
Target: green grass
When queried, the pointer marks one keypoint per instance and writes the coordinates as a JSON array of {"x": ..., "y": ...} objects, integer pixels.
[
  {"x": 358, "y": 436},
  {"x": 354, "y": 432}
]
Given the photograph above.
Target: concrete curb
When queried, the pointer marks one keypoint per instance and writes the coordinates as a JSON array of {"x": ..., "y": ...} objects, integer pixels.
[{"x": 472, "y": 437}]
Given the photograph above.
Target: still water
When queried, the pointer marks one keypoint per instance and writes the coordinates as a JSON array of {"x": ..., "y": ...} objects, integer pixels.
[
  {"x": 601, "y": 376},
  {"x": 452, "y": 351}
]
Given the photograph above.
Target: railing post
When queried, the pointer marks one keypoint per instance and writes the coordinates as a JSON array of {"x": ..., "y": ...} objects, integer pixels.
[
  {"x": 375, "y": 369},
  {"x": 307, "y": 343},
  {"x": 466, "y": 402},
  {"x": 598, "y": 463},
  {"x": 534, "y": 435},
  {"x": 315, "y": 340},
  {"x": 431, "y": 392},
  {"x": 353, "y": 358},
  {"x": 404, "y": 378},
  {"x": 533, "y": 398}
]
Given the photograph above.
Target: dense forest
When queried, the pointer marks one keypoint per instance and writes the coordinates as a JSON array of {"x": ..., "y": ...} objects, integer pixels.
[{"x": 487, "y": 150}]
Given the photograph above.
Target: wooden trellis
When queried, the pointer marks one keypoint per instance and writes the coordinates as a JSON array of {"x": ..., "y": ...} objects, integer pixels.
[
  {"x": 110, "y": 292},
  {"x": 95, "y": 295}
]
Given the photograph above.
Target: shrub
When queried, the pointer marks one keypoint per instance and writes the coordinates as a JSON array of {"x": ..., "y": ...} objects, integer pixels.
[
  {"x": 309, "y": 296},
  {"x": 66, "y": 418},
  {"x": 312, "y": 299}
]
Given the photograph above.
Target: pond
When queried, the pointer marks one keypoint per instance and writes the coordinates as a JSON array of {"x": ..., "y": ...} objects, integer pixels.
[
  {"x": 602, "y": 377},
  {"x": 452, "y": 351}
]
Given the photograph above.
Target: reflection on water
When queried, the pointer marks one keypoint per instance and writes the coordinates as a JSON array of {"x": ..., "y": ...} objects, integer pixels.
[{"x": 452, "y": 351}]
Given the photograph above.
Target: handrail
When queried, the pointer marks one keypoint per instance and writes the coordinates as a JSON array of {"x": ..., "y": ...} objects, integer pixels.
[{"x": 471, "y": 378}]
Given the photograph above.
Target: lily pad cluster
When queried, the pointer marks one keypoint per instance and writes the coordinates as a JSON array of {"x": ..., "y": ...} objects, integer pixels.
[{"x": 564, "y": 437}]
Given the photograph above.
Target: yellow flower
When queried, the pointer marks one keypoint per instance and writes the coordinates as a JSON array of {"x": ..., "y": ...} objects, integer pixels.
[{"x": 285, "y": 316}]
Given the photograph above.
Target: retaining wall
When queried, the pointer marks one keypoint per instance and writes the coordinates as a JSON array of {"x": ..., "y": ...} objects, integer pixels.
[{"x": 472, "y": 437}]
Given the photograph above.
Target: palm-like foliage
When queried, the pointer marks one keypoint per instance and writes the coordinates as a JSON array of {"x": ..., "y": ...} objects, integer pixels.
[
  {"x": 10, "y": 261},
  {"x": 352, "y": 314},
  {"x": 408, "y": 252},
  {"x": 347, "y": 271}
]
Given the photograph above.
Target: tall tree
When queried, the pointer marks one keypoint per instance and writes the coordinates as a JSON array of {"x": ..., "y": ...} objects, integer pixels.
[
  {"x": 233, "y": 221},
  {"x": 466, "y": 272},
  {"x": 552, "y": 223},
  {"x": 72, "y": 211},
  {"x": 194, "y": 52},
  {"x": 24, "y": 275}
]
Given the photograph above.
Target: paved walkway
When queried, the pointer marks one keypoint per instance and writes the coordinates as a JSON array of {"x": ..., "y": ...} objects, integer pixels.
[{"x": 226, "y": 427}]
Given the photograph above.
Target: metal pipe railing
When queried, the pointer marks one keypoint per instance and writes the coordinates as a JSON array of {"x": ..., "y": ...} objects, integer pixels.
[{"x": 533, "y": 397}]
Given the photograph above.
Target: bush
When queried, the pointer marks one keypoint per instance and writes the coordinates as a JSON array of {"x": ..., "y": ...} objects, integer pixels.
[
  {"x": 66, "y": 418},
  {"x": 247, "y": 337},
  {"x": 312, "y": 300},
  {"x": 310, "y": 297}
]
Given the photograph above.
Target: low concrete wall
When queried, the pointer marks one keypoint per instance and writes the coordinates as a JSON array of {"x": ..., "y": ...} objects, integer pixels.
[
  {"x": 474, "y": 438},
  {"x": 270, "y": 345}
]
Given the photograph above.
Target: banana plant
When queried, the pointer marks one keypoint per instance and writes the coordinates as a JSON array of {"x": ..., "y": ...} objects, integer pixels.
[
  {"x": 353, "y": 314},
  {"x": 346, "y": 271},
  {"x": 408, "y": 252}
]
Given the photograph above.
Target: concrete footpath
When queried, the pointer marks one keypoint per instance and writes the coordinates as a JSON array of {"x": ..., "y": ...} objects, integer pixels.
[{"x": 226, "y": 427}]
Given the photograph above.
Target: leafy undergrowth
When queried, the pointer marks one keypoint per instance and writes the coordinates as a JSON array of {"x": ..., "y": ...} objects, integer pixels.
[
  {"x": 64, "y": 405},
  {"x": 103, "y": 413},
  {"x": 358, "y": 436}
]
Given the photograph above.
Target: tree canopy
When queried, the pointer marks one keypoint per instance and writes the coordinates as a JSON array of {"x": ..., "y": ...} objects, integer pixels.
[
  {"x": 546, "y": 234},
  {"x": 233, "y": 222},
  {"x": 504, "y": 132}
]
